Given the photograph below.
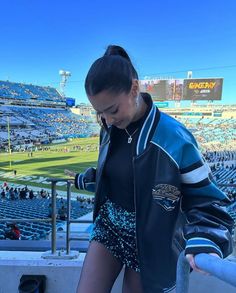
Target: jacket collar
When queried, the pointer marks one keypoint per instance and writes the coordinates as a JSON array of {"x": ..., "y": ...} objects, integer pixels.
[{"x": 145, "y": 130}]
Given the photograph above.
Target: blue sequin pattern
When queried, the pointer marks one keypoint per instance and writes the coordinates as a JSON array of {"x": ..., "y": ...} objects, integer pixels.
[{"x": 114, "y": 227}]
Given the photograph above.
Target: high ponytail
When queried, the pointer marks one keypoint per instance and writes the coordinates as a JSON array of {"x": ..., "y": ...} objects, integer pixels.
[
  {"x": 113, "y": 72},
  {"x": 113, "y": 50}
]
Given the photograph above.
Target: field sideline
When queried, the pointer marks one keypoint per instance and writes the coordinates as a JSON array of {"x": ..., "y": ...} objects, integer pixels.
[{"x": 50, "y": 163}]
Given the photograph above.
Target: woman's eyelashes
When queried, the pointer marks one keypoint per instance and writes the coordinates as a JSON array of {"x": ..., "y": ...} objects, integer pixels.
[{"x": 115, "y": 111}]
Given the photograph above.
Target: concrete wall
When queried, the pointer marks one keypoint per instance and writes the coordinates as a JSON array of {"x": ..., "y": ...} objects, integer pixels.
[{"x": 63, "y": 275}]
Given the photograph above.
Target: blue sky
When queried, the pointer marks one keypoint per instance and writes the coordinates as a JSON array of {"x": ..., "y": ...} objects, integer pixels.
[{"x": 164, "y": 39}]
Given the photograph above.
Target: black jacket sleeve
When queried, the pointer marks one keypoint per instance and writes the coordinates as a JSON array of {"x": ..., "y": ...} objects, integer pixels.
[{"x": 209, "y": 226}]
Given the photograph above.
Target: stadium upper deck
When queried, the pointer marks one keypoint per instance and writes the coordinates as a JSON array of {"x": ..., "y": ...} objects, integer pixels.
[
  {"x": 27, "y": 125},
  {"x": 30, "y": 95},
  {"x": 35, "y": 114}
]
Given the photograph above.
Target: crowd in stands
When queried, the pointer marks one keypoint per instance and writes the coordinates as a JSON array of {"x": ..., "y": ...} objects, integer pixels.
[
  {"x": 8, "y": 192},
  {"x": 223, "y": 167},
  {"x": 220, "y": 156},
  {"x": 216, "y": 133},
  {"x": 38, "y": 115},
  {"x": 30, "y": 125},
  {"x": 28, "y": 203},
  {"x": 43, "y": 125},
  {"x": 11, "y": 193}
]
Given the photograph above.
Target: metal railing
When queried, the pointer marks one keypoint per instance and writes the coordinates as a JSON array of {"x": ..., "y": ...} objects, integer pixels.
[
  {"x": 68, "y": 218},
  {"x": 223, "y": 269},
  {"x": 54, "y": 181},
  {"x": 53, "y": 219},
  {"x": 38, "y": 220}
]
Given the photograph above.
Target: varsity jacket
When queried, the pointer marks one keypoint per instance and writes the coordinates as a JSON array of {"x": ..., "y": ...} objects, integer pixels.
[{"x": 178, "y": 205}]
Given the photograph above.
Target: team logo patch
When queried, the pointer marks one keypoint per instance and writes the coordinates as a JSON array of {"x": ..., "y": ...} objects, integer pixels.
[{"x": 166, "y": 195}]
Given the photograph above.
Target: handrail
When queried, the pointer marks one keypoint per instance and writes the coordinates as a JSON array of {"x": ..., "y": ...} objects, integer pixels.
[
  {"x": 68, "y": 217},
  {"x": 23, "y": 220},
  {"x": 37, "y": 220},
  {"x": 223, "y": 269},
  {"x": 68, "y": 212},
  {"x": 53, "y": 218}
]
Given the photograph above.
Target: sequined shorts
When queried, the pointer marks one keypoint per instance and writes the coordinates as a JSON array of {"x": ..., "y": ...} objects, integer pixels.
[{"x": 114, "y": 227}]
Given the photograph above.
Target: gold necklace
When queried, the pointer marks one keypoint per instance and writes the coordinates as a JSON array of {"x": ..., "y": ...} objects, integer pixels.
[{"x": 130, "y": 135}]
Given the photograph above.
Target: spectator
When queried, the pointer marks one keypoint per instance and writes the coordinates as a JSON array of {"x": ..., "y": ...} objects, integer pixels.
[
  {"x": 12, "y": 232},
  {"x": 3, "y": 194},
  {"x": 31, "y": 194},
  {"x": 11, "y": 194},
  {"x": 62, "y": 213},
  {"x": 5, "y": 185},
  {"x": 16, "y": 194}
]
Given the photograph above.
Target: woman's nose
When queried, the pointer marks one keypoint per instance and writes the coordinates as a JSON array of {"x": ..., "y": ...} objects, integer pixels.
[{"x": 109, "y": 119}]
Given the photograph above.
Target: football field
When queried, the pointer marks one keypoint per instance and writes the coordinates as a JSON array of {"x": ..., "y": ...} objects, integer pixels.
[{"x": 76, "y": 155}]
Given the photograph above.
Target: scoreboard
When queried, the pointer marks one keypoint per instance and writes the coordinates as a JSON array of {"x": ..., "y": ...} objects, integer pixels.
[{"x": 183, "y": 89}]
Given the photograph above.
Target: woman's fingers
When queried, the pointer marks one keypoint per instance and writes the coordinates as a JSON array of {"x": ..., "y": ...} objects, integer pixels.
[
  {"x": 69, "y": 173},
  {"x": 190, "y": 258}
]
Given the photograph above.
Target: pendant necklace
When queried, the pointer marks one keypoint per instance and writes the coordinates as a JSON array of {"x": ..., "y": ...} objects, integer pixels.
[{"x": 130, "y": 135}]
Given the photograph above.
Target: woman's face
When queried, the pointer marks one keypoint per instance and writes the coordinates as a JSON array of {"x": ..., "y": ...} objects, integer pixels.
[{"x": 118, "y": 110}]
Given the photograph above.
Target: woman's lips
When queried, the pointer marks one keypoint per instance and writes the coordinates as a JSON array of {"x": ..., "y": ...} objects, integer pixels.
[{"x": 117, "y": 124}]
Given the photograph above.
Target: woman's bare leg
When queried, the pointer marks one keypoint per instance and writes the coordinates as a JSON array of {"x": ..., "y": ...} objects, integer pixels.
[
  {"x": 132, "y": 281},
  {"x": 99, "y": 271}
]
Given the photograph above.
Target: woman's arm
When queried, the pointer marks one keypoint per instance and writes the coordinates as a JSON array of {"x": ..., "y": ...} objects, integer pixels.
[
  {"x": 209, "y": 226},
  {"x": 84, "y": 181}
]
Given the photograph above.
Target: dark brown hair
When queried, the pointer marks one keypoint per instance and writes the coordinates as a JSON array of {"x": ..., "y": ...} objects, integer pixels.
[{"x": 113, "y": 72}]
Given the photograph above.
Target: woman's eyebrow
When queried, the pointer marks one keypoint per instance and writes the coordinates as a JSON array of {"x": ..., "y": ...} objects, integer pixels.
[{"x": 107, "y": 109}]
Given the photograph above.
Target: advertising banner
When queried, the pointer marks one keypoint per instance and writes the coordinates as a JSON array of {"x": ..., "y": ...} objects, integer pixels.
[{"x": 203, "y": 89}]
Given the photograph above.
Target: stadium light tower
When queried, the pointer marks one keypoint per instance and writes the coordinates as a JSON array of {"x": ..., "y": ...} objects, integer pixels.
[
  {"x": 64, "y": 77},
  {"x": 190, "y": 74}
]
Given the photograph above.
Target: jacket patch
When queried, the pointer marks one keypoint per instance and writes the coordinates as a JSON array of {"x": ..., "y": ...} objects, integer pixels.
[{"x": 166, "y": 195}]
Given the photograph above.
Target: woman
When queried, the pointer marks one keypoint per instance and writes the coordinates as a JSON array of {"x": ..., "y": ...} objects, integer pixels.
[{"x": 150, "y": 182}]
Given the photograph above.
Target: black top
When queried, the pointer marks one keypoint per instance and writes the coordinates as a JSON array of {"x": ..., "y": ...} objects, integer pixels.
[{"x": 119, "y": 169}]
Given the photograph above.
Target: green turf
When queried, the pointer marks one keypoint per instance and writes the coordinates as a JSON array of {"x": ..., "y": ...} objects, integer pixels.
[{"x": 50, "y": 163}]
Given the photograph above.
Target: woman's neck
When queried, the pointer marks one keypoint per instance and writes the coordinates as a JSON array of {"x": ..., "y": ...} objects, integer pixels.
[{"x": 141, "y": 108}]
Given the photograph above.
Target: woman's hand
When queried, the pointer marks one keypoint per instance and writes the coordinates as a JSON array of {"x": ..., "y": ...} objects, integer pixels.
[
  {"x": 190, "y": 258},
  {"x": 69, "y": 173}
]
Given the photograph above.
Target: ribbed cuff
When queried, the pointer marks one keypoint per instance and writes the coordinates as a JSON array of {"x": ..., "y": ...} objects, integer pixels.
[
  {"x": 79, "y": 182},
  {"x": 202, "y": 245}
]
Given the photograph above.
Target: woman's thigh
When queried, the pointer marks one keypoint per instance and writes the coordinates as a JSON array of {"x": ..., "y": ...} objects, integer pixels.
[
  {"x": 132, "y": 281},
  {"x": 100, "y": 270}
]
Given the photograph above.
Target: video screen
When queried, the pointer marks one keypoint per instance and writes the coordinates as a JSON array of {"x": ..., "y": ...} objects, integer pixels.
[
  {"x": 203, "y": 89},
  {"x": 163, "y": 90}
]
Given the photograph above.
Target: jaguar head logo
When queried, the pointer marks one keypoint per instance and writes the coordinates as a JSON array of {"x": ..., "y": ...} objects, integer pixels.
[{"x": 166, "y": 195}]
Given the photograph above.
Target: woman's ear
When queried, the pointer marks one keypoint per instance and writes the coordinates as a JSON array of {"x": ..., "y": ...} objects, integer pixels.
[{"x": 135, "y": 88}]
